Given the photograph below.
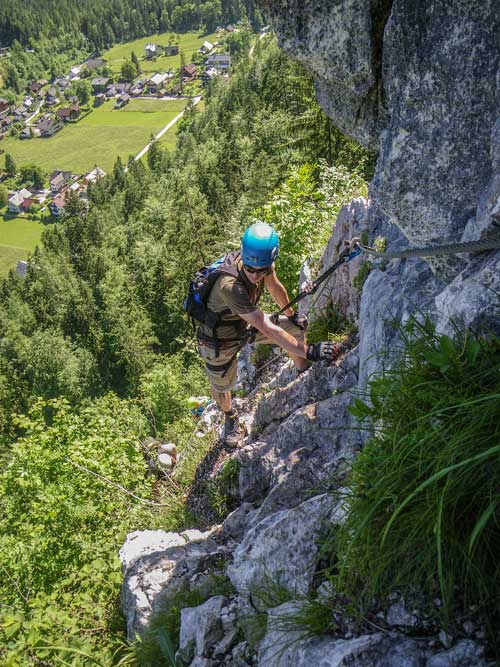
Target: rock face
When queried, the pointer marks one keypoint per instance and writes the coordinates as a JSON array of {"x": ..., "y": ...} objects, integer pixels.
[
  {"x": 282, "y": 549},
  {"x": 420, "y": 82},
  {"x": 340, "y": 43},
  {"x": 157, "y": 565}
]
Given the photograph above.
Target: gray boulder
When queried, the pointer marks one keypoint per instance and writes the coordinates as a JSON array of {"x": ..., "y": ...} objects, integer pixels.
[
  {"x": 465, "y": 653},
  {"x": 201, "y": 629},
  {"x": 157, "y": 565},
  {"x": 282, "y": 550},
  {"x": 284, "y": 646}
]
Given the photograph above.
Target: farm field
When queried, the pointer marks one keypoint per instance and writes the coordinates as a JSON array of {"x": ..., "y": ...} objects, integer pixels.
[
  {"x": 18, "y": 238},
  {"x": 188, "y": 42},
  {"x": 98, "y": 138}
]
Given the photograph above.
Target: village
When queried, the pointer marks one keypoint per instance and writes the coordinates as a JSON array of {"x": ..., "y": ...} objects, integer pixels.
[{"x": 48, "y": 107}]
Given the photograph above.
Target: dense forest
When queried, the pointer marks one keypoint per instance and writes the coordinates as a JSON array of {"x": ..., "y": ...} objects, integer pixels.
[
  {"x": 96, "y": 330},
  {"x": 103, "y": 24}
]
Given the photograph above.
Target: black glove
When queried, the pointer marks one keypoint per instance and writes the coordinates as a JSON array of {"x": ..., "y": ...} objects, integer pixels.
[
  {"x": 300, "y": 321},
  {"x": 325, "y": 350}
]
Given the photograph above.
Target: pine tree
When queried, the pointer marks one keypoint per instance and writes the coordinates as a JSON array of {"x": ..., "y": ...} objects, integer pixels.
[
  {"x": 119, "y": 174},
  {"x": 154, "y": 156},
  {"x": 10, "y": 165},
  {"x": 135, "y": 60},
  {"x": 73, "y": 206},
  {"x": 128, "y": 71}
]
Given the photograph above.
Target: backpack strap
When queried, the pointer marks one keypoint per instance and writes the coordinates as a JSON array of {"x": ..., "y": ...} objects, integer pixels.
[{"x": 228, "y": 267}]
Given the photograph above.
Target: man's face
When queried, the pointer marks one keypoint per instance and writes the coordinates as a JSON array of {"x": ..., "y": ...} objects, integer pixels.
[{"x": 256, "y": 275}]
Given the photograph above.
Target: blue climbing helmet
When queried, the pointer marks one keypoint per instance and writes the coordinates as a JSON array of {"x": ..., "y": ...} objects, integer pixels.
[{"x": 259, "y": 245}]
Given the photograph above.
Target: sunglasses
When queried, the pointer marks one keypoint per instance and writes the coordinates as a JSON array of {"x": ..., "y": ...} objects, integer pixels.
[{"x": 265, "y": 269}]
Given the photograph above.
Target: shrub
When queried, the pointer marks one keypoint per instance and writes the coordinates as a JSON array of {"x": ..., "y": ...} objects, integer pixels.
[
  {"x": 61, "y": 528},
  {"x": 424, "y": 493},
  {"x": 361, "y": 276},
  {"x": 303, "y": 212},
  {"x": 222, "y": 491},
  {"x": 166, "y": 387},
  {"x": 261, "y": 354},
  {"x": 329, "y": 324}
]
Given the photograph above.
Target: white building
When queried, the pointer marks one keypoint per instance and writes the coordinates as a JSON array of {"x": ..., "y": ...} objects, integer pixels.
[
  {"x": 20, "y": 201},
  {"x": 206, "y": 47},
  {"x": 94, "y": 175}
]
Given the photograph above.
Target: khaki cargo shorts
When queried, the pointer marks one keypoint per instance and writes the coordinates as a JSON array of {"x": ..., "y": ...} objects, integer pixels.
[{"x": 222, "y": 370}]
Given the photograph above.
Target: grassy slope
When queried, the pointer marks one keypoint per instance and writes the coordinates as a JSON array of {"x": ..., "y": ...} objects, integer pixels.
[
  {"x": 18, "y": 237},
  {"x": 99, "y": 138},
  {"x": 188, "y": 42}
]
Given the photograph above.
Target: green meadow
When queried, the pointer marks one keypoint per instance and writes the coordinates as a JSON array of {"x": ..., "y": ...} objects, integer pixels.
[
  {"x": 18, "y": 238},
  {"x": 188, "y": 42},
  {"x": 98, "y": 138}
]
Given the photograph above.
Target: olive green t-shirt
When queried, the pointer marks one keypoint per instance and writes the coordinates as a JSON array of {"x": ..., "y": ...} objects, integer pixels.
[{"x": 237, "y": 295}]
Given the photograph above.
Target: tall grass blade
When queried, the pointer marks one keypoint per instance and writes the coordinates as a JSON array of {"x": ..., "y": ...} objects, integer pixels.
[
  {"x": 166, "y": 647},
  {"x": 481, "y": 524},
  {"x": 434, "y": 478}
]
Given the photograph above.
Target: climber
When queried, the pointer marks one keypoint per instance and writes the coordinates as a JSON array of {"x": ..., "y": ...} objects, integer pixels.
[{"x": 234, "y": 298}]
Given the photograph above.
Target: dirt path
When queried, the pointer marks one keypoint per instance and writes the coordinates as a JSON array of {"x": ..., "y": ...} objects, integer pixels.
[{"x": 162, "y": 131}]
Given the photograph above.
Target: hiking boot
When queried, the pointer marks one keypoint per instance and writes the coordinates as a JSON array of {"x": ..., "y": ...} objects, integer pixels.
[{"x": 233, "y": 432}]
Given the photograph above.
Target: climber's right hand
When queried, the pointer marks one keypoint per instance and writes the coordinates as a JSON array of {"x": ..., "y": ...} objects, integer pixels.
[{"x": 326, "y": 350}]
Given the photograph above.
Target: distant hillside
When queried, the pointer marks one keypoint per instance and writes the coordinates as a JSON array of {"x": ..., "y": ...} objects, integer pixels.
[{"x": 103, "y": 24}]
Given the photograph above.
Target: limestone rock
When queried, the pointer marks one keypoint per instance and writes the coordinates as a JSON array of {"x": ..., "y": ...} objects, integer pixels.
[
  {"x": 165, "y": 461},
  {"x": 472, "y": 299},
  {"x": 340, "y": 44},
  {"x": 398, "y": 615},
  {"x": 203, "y": 662},
  {"x": 283, "y": 548},
  {"x": 157, "y": 564},
  {"x": 405, "y": 288},
  {"x": 290, "y": 392},
  {"x": 465, "y": 653},
  {"x": 435, "y": 119},
  {"x": 168, "y": 448},
  {"x": 352, "y": 221},
  {"x": 236, "y": 523},
  {"x": 283, "y": 647},
  {"x": 434, "y": 159},
  {"x": 307, "y": 451},
  {"x": 201, "y": 629}
]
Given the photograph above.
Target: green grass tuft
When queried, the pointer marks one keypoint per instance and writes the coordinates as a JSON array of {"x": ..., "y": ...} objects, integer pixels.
[
  {"x": 222, "y": 492},
  {"x": 425, "y": 491},
  {"x": 330, "y": 324}
]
